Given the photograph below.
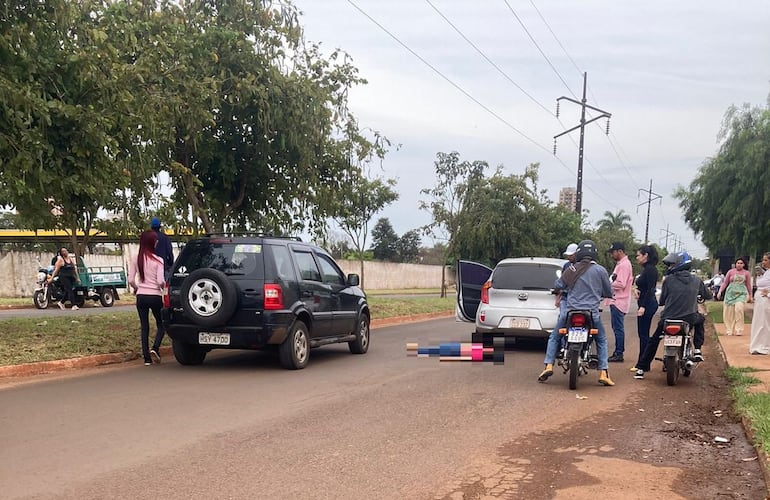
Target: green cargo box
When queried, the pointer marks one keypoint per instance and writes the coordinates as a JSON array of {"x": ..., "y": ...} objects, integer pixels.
[{"x": 99, "y": 283}]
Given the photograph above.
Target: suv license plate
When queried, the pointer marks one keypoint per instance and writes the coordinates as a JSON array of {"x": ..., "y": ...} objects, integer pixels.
[
  {"x": 577, "y": 335},
  {"x": 672, "y": 340},
  {"x": 214, "y": 338},
  {"x": 522, "y": 323}
]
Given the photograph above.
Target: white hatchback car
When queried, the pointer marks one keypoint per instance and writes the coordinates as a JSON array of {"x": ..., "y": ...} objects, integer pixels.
[{"x": 516, "y": 299}]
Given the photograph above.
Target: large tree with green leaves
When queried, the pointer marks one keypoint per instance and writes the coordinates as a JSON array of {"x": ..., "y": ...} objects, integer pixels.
[
  {"x": 409, "y": 246},
  {"x": 100, "y": 99},
  {"x": 384, "y": 240},
  {"x": 64, "y": 98},
  {"x": 455, "y": 179},
  {"x": 507, "y": 216},
  {"x": 728, "y": 201}
]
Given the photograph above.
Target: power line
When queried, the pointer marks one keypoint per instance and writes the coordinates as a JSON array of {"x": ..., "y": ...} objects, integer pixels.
[
  {"x": 445, "y": 78},
  {"x": 538, "y": 48},
  {"x": 482, "y": 54},
  {"x": 468, "y": 95},
  {"x": 612, "y": 145}
]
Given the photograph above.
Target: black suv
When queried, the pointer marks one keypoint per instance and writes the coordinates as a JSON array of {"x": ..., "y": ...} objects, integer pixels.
[{"x": 256, "y": 292}]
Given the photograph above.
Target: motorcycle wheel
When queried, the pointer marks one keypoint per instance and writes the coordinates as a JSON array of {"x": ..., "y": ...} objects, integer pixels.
[
  {"x": 41, "y": 299},
  {"x": 574, "y": 368},
  {"x": 672, "y": 370}
]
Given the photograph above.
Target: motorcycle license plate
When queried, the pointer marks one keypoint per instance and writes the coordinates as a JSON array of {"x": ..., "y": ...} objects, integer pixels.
[
  {"x": 672, "y": 340},
  {"x": 577, "y": 335},
  {"x": 214, "y": 338}
]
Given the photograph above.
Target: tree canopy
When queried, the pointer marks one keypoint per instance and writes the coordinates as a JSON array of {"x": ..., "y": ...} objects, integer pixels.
[
  {"x": 728, "y": 201},
  {"x": 103, "y": 100}
]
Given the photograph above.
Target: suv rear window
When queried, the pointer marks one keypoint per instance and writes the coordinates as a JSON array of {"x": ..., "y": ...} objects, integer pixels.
[
  {"x": 525, "y": 276},
  {"x": 229, "y": 258}
]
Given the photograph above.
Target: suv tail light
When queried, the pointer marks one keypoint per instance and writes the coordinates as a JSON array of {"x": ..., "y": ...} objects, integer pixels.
[
  {"x": 273, "y": 296},
  {"x": 485, "y": 292},
  {"x": 166, "y": 296}
]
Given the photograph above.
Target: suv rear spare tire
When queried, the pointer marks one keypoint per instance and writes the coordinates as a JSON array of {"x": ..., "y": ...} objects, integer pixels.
[{"x": 208, "y": 297}]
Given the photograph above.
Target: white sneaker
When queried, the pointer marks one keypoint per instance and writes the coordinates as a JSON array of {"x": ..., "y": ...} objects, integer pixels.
[
  {"x": 75, "y": 308},
  {"x": 61, "y": 305}
]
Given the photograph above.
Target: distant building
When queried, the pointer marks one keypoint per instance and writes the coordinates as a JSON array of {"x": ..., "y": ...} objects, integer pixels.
[{"x": 568, "y": 197}]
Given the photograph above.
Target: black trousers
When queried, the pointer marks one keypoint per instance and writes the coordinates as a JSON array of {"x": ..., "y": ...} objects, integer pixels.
[
  {"x": 696, "y": 320},
  {"x": 67, "y": 282},
  {"x": 145, "y": 304}
]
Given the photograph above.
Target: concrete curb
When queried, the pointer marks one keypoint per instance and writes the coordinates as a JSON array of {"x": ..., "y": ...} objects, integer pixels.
[{"x": 44, "y": 367}]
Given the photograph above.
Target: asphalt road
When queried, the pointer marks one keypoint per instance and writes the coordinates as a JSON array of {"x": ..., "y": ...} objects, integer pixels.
[{"x": 382, "y": 425}]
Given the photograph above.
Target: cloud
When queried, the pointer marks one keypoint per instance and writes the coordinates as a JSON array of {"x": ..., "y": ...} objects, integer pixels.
[{"x": 667, "y": 71}]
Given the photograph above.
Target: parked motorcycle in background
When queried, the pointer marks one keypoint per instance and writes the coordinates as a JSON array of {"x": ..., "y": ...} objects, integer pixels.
[
  {"x": 579, "y": 355},
  {"x": 47, "y": 290}
]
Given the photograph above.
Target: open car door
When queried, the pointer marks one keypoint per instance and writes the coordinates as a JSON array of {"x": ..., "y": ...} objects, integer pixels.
[{"x": 471, "y": 276}]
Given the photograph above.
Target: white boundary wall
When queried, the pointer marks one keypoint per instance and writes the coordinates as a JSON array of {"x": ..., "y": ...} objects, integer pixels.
[{"x": 19, "y": 270}]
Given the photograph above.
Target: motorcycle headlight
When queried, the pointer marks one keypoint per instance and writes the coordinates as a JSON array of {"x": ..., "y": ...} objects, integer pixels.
[{"x": 41, "y": 277}]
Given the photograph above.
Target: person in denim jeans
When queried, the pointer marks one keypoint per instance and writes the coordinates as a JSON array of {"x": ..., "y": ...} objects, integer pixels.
[
  {"x": 622, "y": 279},
  {"x": 586, "y": 283},
  {"x": 561, "y": 296}
]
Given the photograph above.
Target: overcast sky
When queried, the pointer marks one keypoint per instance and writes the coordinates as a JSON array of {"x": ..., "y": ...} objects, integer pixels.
[{"x": 666, "y": 71}]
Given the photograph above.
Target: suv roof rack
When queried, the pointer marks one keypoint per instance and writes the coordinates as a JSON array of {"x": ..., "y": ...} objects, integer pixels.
[{"x": 256, "y": 234}]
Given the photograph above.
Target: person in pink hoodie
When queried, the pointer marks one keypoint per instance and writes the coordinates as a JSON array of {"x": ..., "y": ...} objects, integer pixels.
[
  {"x": 622, "y": 281},
  {"x": 145, "y": 276}
]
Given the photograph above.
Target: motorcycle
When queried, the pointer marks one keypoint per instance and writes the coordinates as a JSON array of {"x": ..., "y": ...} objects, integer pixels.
[
  {"x": 47, "y": 290},
  {"x": 678, "y": 350},
  {"x": 578, "y": 355}
]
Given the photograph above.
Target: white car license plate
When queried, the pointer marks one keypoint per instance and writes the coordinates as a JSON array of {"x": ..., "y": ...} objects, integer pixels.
[
  {"x": 521, "y": 323},
  {"x": 214, "y": 338},
  {"x": 672, "y": 340},
  {"x": 577, "y": 335}
]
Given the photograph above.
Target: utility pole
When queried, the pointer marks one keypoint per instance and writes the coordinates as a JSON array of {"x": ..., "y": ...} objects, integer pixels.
[
  {"x": 648, "y": 202},
  {"x": 668, "y": 233},
  {"x": 582, "y": 126}
]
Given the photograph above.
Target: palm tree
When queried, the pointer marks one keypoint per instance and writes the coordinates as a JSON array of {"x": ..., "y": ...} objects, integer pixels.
[{"x": 616, "y": 223}]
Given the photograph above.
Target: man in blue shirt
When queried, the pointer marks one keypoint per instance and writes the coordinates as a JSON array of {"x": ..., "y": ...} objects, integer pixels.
[
  {"x": 586, "y": 283},
  {"x": 163, "y": 249}
]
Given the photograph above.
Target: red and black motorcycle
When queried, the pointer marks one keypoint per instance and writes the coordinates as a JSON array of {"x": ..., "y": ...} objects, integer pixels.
[{"x": 579, "y": 353}]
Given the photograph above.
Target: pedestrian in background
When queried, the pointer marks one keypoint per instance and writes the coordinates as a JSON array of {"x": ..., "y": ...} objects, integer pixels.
[
  {"x": 164, "y": 250},
  {"x": 716, "y": 283},
  {"x": 739, "y": 268},
  {"x": 760, "y": 321},
  {"x": 145, "y": 276},
  {"x": 622, "y": 279},
  {"x": 67, "y": 271},
  {"x": 647, "y": 302},
  {"x": 735, "y": 298}
]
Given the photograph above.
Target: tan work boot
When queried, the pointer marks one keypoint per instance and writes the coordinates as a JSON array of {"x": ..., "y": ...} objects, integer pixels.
[
  {"x": 604, "y": 378},
  {"x": 546, "y": 373}
]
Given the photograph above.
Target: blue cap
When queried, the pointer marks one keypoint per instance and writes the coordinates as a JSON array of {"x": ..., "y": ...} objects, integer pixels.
[{"x": 155, "y": 223}]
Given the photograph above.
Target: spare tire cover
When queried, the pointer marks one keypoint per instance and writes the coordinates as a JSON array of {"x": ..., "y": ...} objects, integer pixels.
[{"x": 209, "y": 298}]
